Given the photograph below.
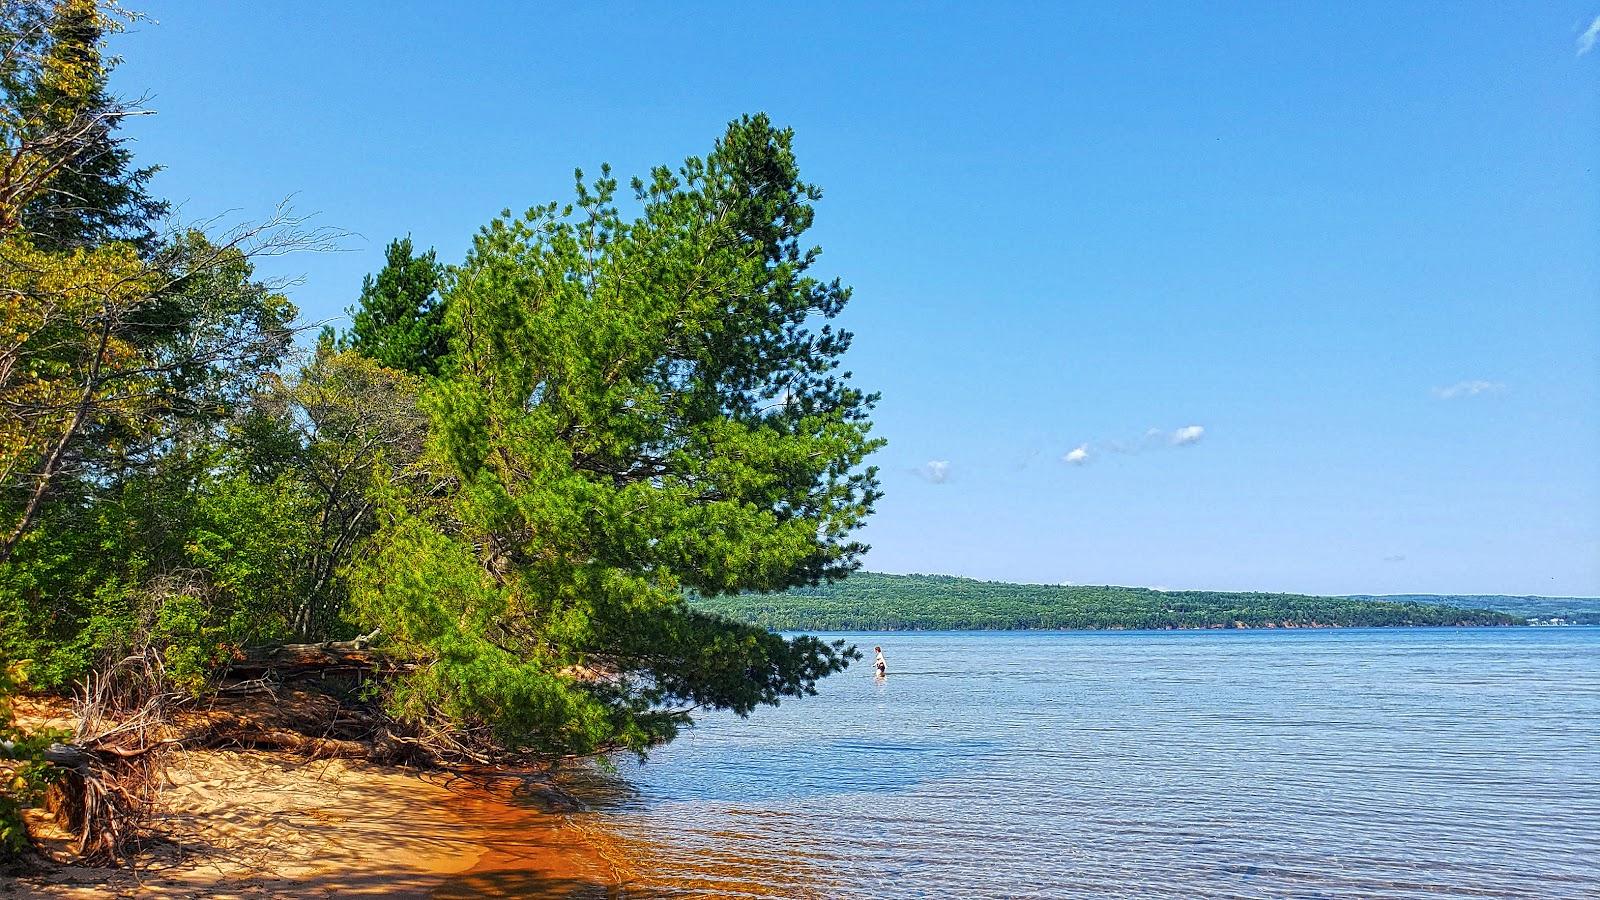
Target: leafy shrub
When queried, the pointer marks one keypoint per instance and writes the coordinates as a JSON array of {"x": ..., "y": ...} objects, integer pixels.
[{"x": 24, "y": 774}]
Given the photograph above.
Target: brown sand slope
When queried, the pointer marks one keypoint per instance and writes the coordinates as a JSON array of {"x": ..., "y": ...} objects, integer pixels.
[{"x": 259, "y": 825}]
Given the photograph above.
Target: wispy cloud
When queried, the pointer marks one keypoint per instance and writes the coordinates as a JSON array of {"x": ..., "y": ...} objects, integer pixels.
[
  {"x": 1396, "y": 558},
  {"x": 1152, "y": 439},
  {"x": 1468, "y": 389},
  {"x": 934, "y": 471},
  {"x": 1591, "y": 34}
]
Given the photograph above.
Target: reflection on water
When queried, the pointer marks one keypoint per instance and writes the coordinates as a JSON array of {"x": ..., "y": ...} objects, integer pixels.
[
  {"x": 789, "y": 771},
  {"x": 1372, "y": 763}
]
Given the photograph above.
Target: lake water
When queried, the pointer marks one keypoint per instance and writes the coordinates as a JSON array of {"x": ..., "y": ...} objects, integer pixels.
[{"x": 1311, "y": 763}]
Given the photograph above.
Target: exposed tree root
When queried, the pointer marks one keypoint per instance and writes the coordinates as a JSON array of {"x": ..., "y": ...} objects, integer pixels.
[
  {"x": 111, "y": 770},
  {"x": 302, "y": 699}
]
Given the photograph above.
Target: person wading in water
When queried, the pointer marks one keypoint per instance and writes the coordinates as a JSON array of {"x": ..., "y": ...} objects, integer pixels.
[{"x": 882, "y": 667}]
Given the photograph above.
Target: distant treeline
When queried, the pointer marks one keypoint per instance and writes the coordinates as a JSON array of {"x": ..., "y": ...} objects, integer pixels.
[
  {"x": 1573, "y": 610},
  {"x": 869, "y": 601}
]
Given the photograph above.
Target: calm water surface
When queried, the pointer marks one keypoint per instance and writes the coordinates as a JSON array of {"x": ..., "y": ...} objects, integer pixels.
[{"x": 1362, "y": 763}]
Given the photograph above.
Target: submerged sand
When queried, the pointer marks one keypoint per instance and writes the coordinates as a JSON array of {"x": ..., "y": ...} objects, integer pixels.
[{"x": 266, "y": 825}]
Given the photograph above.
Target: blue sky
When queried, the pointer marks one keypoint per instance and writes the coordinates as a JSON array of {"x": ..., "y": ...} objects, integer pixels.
[{"x": 1243, "y": 296}]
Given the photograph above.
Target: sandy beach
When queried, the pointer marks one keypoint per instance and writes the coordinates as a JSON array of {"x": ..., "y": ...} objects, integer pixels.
[{"x": 256, "y": 825}]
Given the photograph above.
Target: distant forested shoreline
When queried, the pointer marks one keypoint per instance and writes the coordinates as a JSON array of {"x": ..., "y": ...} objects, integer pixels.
[
  {"x": 868, "y": 601},
  {"x": 1537, "y": 610}
]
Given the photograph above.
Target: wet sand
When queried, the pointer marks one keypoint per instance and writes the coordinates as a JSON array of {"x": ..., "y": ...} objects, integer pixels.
[
  {"x": 527, "y": 853},
  {"x": 266, "y": 825}
]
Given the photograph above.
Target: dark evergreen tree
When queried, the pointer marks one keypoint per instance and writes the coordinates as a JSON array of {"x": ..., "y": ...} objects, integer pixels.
[
  {"x": 399, "y": 320},
  {"x": 97, "y": 196}
]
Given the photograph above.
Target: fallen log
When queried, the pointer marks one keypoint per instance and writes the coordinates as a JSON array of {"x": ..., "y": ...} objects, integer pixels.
[
  {"x": 296, "y": 660},
  {"x": 291, "y": 660},
  {"x": 283, "y": 740}
]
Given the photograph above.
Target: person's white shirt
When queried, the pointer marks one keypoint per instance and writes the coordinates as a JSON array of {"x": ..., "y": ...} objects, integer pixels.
[{"x": 880, "y": 664}]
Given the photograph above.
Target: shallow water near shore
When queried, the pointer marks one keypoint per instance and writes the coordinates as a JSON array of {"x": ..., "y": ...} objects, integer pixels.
[{"x": 1381, "y": 763}]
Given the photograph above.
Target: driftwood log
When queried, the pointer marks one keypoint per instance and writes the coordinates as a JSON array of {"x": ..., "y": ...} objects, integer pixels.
[
  {"x": 297, "y": 720},
  {"x": 296, "y": 660}
]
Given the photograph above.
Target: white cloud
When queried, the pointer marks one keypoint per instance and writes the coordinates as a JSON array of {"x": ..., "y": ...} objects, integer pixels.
[
  {"x": 934, "y": 471},
  {"x": 1153, "y": 439},
  {"x": 1468, "y": 389},
  {"x": 1590, "y": 35}
]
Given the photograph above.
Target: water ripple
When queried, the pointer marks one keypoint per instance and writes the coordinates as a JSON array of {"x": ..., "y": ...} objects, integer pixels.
[{"x": 1348, "y": 764}]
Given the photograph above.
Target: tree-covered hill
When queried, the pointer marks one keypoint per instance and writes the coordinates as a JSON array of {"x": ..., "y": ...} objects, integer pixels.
[
  {"x": 1572, "y": 610},
  {"x": 871, "y": 601}
]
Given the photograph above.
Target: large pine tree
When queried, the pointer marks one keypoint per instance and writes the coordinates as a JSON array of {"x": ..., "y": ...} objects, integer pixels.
[{"x": 637, "y": 408}]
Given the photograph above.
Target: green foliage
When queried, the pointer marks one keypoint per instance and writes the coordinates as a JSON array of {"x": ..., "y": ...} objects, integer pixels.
[
  {"x": 191, "y": 642},
  {"x": 213, "y": 331},
  {"x": 869, "y": 601},
  {"x": 219, "y": 540},
  {"x": 24, "y": 774},
  {"x": 342, "y": 429},
  {"x": 190, "y": 557},
  {"x": 208, "y": 539},
  {"x": 120, "y": 360},
  {"x": 400, "y": 320},
  {"x": 118, "y": 491},
  {"x": 636, "y": 406}
]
